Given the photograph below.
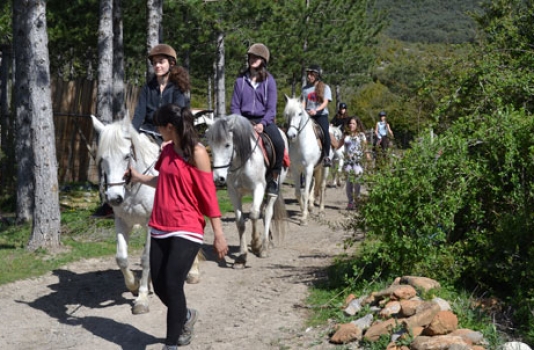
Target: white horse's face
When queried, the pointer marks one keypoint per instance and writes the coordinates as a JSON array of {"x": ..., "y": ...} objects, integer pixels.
[
  {"x": 222, "y": 154},
  {"x": 294, "y": 118},
  {"x": 113, "y": 167}
]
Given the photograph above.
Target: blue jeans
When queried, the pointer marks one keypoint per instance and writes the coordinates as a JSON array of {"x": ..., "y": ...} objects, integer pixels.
[{"x": 170, "y": 262}]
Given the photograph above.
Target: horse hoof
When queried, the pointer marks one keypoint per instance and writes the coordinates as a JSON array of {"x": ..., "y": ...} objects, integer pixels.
[
  {"x": 192, "y": 279},
  {"x": 139, "y": 309},
  {"x": 303, "y": 222},
  {"x": 263, "y": 254},
  {"x": 239, "y": 265}
]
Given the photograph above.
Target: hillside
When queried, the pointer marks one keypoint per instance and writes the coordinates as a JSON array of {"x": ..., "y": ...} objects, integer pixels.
[{"x": 430, "y": 21}]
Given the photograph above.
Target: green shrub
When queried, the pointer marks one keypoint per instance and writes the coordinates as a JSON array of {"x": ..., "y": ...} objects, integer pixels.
[{"x": 457, "y": 208}]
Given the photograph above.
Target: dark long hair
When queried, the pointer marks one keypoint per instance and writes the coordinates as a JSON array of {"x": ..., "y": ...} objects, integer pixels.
[
  {"x": 180, "y": 77},
  {"x": 182, "y": 119}
]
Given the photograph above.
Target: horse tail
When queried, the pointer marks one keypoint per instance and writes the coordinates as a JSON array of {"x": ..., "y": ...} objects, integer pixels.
[{"x": 279, "y": 219}]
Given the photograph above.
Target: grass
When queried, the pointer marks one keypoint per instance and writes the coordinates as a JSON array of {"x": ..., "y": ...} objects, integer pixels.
[{"x": 81, "y": 236}]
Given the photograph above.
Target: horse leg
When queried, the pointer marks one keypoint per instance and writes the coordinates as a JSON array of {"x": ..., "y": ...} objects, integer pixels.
[
  {"x": 131, "y": 282},
  {"x": 305, "y": 206},
  {"x": 141, "y": 302},
  {"x": 255, "y": 214},
  {"x": 322, "y": 189},
  {"x": 241, "y": 259}
]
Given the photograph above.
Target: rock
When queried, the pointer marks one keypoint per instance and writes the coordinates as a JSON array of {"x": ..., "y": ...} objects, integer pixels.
[
  {"x": 425, "y": 313},
  {"x": 354, "y": 306},
  {"x": 443, "y": 304},
  {"x": 515, "y": 345},
  {"x": 396, "y": 292},
  {"x": 348, "y": 299},
  {"x": 409, "y": 307},
  {"x": 378, "y": 328},
  {"x": 422, "y": 283},
  {"x": 364, "y": 322},
  {"x": 346, "y": 333},
  {"x": 470, "y": 336},
  {"x": 439, "y": 342},
  {"x": 391, "y": 308},
  {"x": 443, "y": 323}
]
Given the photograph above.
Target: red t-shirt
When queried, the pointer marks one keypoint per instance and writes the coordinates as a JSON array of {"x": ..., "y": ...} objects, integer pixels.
[{"x": 184, "y": 195}]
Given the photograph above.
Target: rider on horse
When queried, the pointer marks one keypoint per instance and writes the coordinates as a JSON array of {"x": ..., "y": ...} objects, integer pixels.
[{"x": 255, "y": 98}]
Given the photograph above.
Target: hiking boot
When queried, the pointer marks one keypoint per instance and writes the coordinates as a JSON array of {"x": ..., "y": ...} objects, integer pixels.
[
  {"x": 189, "y": 326},
  {"x": 327, "y": 163},
  {"x": 104, "y": 212},
  {"x": 350, "y": 206},
  {"x": 272, "y": 188}
]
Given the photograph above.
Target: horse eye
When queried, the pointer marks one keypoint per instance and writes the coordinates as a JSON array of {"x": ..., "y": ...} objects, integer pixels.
[
  {"x": 127, "y": 157},
  {"x": 227, "y": 145}
]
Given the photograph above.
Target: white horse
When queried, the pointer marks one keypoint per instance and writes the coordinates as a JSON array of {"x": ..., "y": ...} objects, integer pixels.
[
  {"x": 305, "y": 155},
  {"x": 121, "y": 146},
  {"x": 338, "y": 158},
  {"x": 238, "y": 162}
]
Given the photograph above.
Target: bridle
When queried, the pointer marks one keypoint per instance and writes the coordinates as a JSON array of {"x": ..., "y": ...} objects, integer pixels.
[
  {"x": 126, "y": 181},
  {"x": 300, "y": 128},
  {"x": 257, "y": 141}
]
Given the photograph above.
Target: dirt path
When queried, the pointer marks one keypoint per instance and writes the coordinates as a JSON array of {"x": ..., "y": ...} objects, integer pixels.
[{"x": 85, "y": 306}]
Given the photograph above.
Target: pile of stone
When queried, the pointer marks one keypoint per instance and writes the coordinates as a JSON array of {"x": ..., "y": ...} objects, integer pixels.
[{"x": 404, "y": 317}]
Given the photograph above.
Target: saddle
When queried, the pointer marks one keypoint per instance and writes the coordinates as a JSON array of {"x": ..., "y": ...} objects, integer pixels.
[
  {"x": 269, "y": 155},
  {"x": 319, "y": 135}
]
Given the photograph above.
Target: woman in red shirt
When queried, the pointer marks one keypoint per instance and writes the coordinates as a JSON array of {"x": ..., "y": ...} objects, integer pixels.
[{"x": 185, "y": 193}]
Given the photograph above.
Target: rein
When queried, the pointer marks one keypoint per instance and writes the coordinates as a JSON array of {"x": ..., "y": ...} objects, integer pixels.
[
  {"x": 242, "y": 163},
  {"x": 300, "y": 129}
]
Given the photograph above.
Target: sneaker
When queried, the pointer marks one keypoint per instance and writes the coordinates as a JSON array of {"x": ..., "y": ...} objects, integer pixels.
[
  {"x": 170, "y": 347},
  {"x": 189, "y": 325},
  {"x": 327, "y": 163},
  {"x": 272, "y": 189},
  {"x": 350, "y": 206},
  {"x": 104, "y": 212}
]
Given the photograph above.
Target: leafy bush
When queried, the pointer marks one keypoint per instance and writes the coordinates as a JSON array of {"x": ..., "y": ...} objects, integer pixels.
[{"x": 457, "y": 208}]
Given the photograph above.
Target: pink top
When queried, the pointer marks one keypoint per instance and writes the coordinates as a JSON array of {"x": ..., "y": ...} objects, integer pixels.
[{"x": 184, "y": 195}]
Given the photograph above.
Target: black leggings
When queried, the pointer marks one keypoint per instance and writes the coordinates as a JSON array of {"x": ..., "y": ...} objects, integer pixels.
[
  {"x": 322, "y": 120},
  {"x": 170, "y": 262},
  {"x": 278, "y": 143}
]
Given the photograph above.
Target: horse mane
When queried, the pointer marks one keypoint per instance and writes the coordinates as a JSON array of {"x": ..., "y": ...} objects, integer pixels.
[
  {"x": 120, "y": 135},
  {"x": 241, "y": 129}
]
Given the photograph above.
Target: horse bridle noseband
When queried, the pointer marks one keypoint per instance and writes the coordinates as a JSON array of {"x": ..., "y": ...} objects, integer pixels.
[
  {"x": 242, "y": 163},
  {"x": 299, "y": 129},
  {"x": 133, "y": 155}
]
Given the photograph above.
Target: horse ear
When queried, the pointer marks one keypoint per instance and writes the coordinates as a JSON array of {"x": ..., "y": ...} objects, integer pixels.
[
  {"x": 286, "y": 97},
  {"x": 97, "y": 124}
]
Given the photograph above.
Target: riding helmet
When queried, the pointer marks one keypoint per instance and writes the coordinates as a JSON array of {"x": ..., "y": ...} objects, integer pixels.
[
  {"x": 342, "y": 105},
  {"x": 382, "y": 114},
  {"x": 162, "y": 50},
  {"x": 259, "y": 50},
  {"x": 315, "y": 68}
]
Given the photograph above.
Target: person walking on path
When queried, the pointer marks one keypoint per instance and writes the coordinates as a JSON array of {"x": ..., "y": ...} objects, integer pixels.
[
  {"x": 355, "y": 147},
  {"x": 255, "y": 97},
  {"x": 170, "y": 84},
  {"x": 382, "y": 131},
  {"x": 185, "y": 194},
  {"x": 315, "y": 98}
]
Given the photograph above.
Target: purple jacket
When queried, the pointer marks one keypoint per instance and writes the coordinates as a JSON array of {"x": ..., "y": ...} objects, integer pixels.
[{"x": 255, "y": 103}]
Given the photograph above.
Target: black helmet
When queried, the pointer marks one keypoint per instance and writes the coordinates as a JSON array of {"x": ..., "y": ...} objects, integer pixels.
[
  {"x": 342, "y": 105},
  {"x": 382, "y": 114},
  {"x": 315, "y": 68}
]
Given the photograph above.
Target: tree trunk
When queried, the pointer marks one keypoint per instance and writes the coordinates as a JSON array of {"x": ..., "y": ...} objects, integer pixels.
[
  {"x": 105, "y": 63},
  {"x": 118, "y": 62},
  {"x": 154, "y": 12},
  {"x": 220, "y": 108},
  {"x": 33, "y": 103},
  {"x": 6, "y": 123}
]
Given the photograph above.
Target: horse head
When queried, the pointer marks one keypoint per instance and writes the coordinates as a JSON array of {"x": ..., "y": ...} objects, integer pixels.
[
  {"x": 120, "y": 147},
  {"x": 220, "y": 139},
  {"x": 295, "y": 116}
]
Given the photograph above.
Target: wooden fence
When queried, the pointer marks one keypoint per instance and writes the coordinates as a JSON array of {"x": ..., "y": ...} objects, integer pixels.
[{"x": 73, "y": 102}]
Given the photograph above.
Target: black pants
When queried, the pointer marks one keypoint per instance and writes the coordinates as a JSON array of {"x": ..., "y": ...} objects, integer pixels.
[
  {"x": 278, "y": 143},
  {"x": 170, "y": 262},
  {"x": 322, "y": 120}
]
